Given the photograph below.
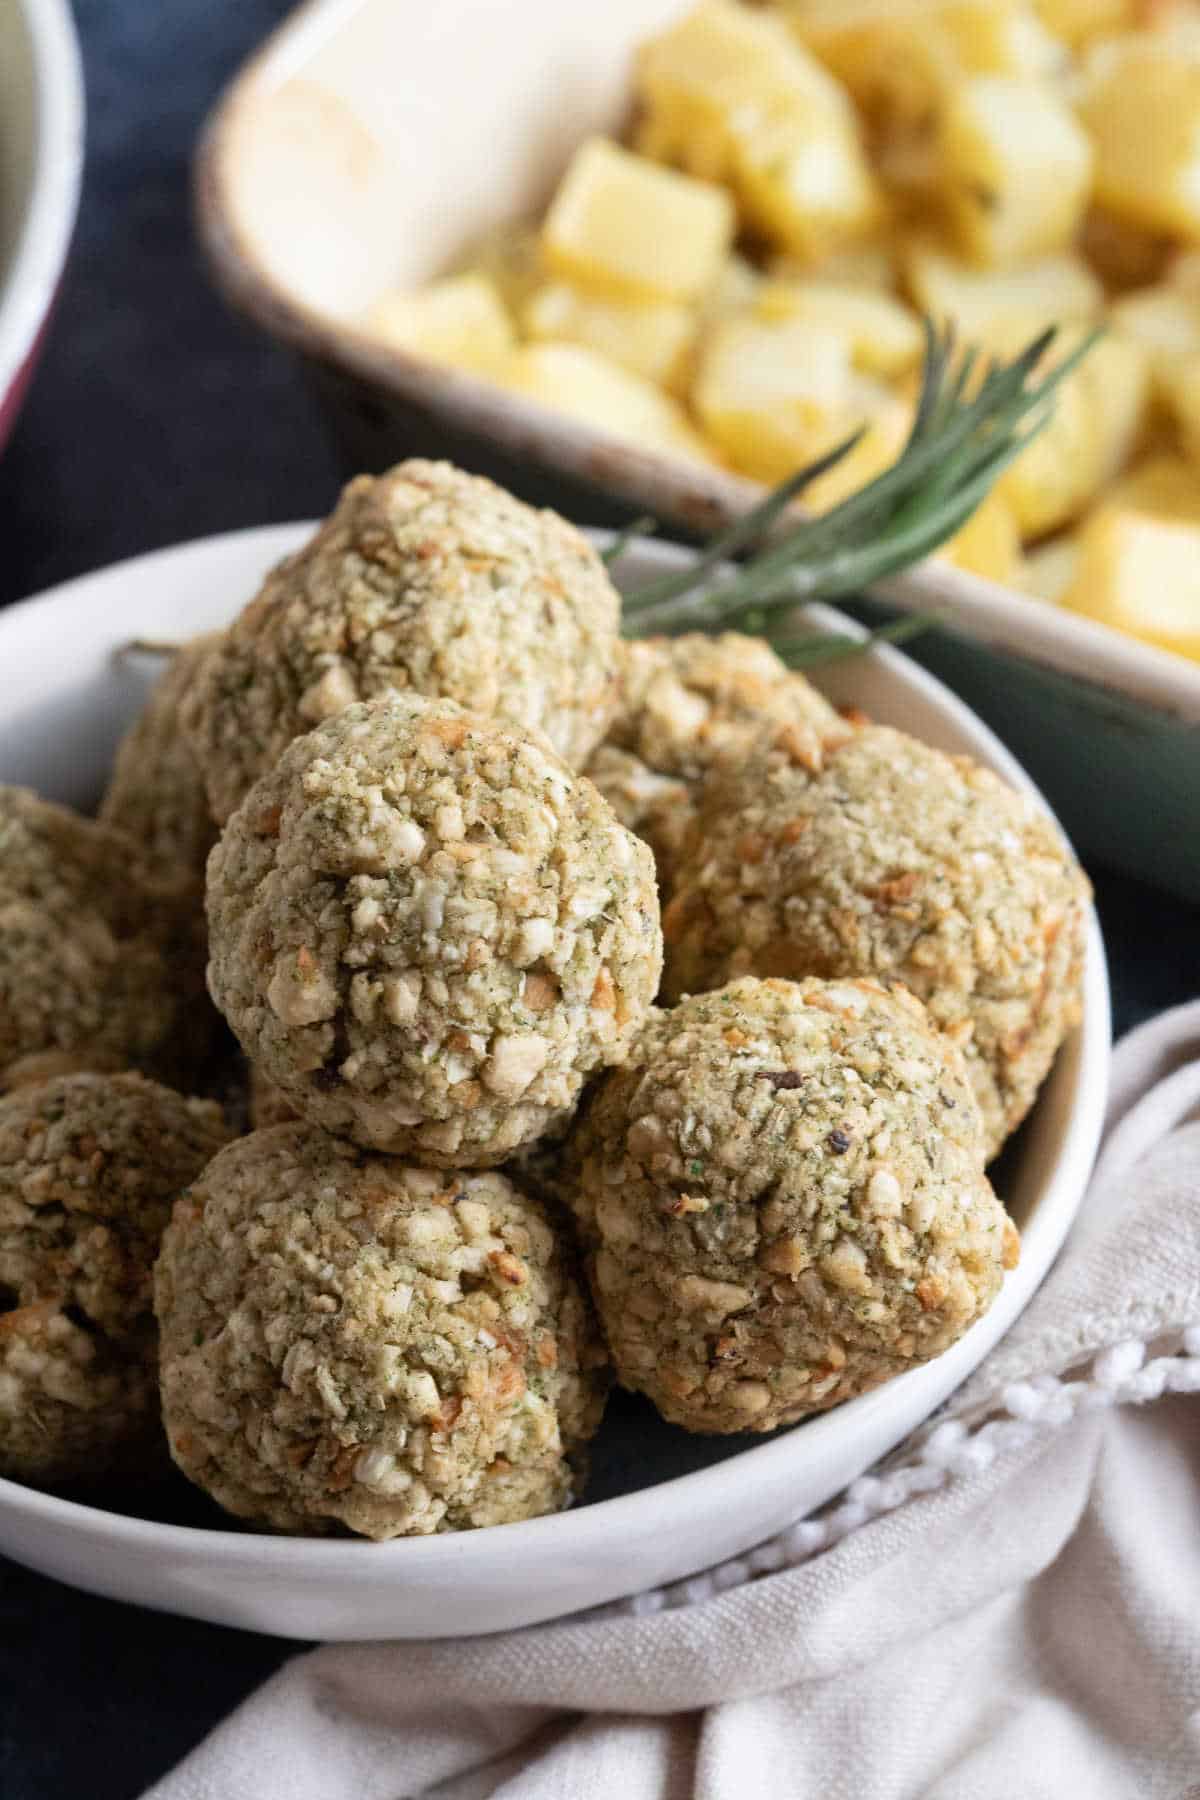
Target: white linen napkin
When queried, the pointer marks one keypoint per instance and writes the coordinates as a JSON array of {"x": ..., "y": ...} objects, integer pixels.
[{"x": 1009, "y": 1609}]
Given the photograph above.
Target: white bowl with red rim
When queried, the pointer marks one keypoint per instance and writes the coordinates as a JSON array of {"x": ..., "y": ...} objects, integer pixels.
[{"x": 41, "y": 164}]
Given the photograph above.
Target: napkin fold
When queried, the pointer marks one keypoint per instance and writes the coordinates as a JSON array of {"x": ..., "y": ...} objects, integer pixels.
[{"x": 1007, "y": 1609}]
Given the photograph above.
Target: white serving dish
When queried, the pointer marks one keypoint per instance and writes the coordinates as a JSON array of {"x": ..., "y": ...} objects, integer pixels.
[
  {"x": 41, "y": 160},
  {"x": 370, "y": 141},
  {"x": 63, "y": 701}
]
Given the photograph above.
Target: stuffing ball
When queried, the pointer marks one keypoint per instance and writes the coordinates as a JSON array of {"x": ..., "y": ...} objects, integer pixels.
[
  {"x": 265, "y": 1105},
  {"x": 783, "y": 1201},
  {"x": 156, "y": 792},
  {"x": 427, "y": 932},
  {"x": 89, "y": 1168},
  {"x": 424, "y": 579},
  {"x": 684, "y": 704},
  {"x": 350, "y": 1341},
  {"x": 95, "y": 963},
  {"x": 893, "y": 859}
]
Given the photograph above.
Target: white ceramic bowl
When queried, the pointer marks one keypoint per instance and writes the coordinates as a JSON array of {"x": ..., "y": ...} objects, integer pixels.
[
  {"x": 41, "y": 157},
  {"x": 63, "y": 701}
]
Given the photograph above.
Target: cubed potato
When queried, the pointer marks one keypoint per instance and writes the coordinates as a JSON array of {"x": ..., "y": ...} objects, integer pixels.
[
  {"x": 885, "y": 336},
  {"x": 898, "y": 57},
  {"x": 590, "y": 387},
  {"x": 1049, "y": 289},
  {"x": 1183, "y": 403},
  {"x": 1049, "y": 570},
  {"x": 1164, "y": 485},
  {"x": 1141, "y": 108},
  {"x": 460, "y": 321},
  {"x": 775, "y": 395},
  {"x": 772, "y": 396},
  {"x": 989, "y": 544},
  {"x": 804, "y": 184},
  {"x": 1141, "y": 574},
  {"x": 652, "y": 338},
  {"x": 625, "y": 226},
  {"x": 1098, "y": 414},
  {"x": 1076, "y": 21},
  {"x": 873, "y": 263},
  {"x": 728, "y": 94},
  {"x": 888, "y": 419},
  {"x": 1016, "y": 167},
  {"x": 1183, "y": 270},
  {"x": 720, "y": 58},
  {"x": 1165, "y": 321},
  {"x": 735, "y": 289}
]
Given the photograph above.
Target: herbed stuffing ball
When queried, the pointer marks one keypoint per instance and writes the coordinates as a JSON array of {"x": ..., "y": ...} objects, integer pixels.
[
  {"x": 95, "y": 961},
  {"x": 892, "y": 859},
  {"x": 683, "y": 705},
  {"x": 783, "y": 1202},
  {"x": 156, "y": 792},
  {"x": 423, "y": 579},
  {"x": 350, "y": 1341},
  {"x": 427, "y": 932},
  {"x": 89, "y": 1168}
]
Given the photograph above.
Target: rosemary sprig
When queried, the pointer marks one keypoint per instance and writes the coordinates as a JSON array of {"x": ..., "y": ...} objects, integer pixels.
[
  {"x": 812, "y": 648},
  {"x": 641, "y": 527},
  {"x": 973, "y": 417}
]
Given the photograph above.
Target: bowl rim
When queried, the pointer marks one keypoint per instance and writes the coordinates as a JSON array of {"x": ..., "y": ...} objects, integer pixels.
[
  {"x": 52, "y": 200},
  {"x": 593, "y": 1523},
  {"x": 683, "y": 494}
]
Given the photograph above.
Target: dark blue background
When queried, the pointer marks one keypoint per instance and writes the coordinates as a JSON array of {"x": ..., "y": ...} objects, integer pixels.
[{"x": 156, "y": 417}]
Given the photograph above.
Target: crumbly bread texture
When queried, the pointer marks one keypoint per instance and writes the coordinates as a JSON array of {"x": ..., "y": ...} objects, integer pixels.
[
  {"x": 892, "y": 859},
  {"x": 89, "y": 1168},
  {"x": 422, "y": 579},
  {"x": 427, "y": 932},
  {"x": 96, "y": 961},
  {"x": 683, "y": 705},
  {"x": 783, "y": 1202},
  {"x": 156, "y": 792},
  {"x": 350, "y": 1341}
]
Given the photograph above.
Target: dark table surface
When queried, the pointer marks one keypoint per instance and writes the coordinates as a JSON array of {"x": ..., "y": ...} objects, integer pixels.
[{"x": 154, "y": 418}]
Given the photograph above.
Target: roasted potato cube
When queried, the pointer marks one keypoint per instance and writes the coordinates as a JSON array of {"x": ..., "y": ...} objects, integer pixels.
[
  {"x": 1165, "y": 321},
  {"x": 1049, "y": 570},
  {"x": 1075, "y": 21},
  {"x": 1183, "y": 402},
  {"x": 1098, "y": 412},
  {"x": 1048, "y": 290},
  {"x": 1141, "y": 574},
  {"x": 1142, "y": 109},
  {"x": 1016, "y": 168},
  {"x": 1165, "y": 486},
  {"x": 461, "y": 321},
  {"x": 571, "y": 379},
  {"x": 728, "y": 95},
  {"x": 885, "y": 336},
  {"x": 989, "y": 544},
  {"x": 873, "y": 264},
  {"x": 627, "y": 227},
  {"x": 735, "y": 289},
  {"x": 773, "y": 395},
  {"x": 650, "y": 337},
  {"x": 898, "y": 57},
  {"x": 888, "y": 420}
]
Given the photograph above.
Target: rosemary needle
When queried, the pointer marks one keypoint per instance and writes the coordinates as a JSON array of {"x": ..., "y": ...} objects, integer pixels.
[{"x": 973, "y": 416}]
